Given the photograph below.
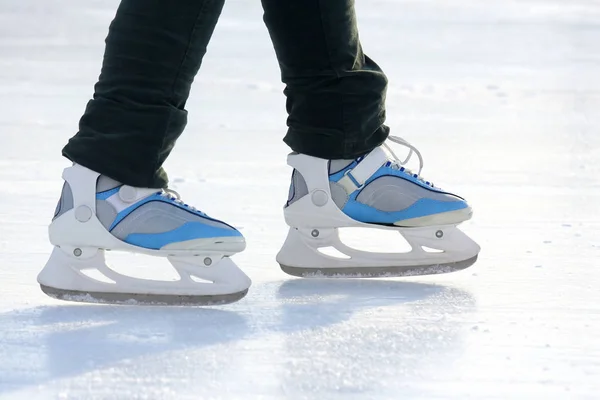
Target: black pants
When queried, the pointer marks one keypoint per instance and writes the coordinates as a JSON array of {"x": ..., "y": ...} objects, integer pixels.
[{"x": 335, "y": 93}]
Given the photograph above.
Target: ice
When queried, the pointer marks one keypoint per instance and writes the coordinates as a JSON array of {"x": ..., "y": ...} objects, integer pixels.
[{"x": 502, "y": 98}]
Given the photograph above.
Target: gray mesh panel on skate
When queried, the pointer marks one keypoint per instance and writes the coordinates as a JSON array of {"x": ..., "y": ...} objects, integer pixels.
[
  {"x": 338, "y": 165},
  {"x": 390, "y": 193},
  {"x": 105, "y": 212},
  {"x": 65, "y": 203},
  {"x": 158, "y": 217},
  {"x": 58, "y": 204},
  {"x": 291, "y": 191},
  {"x": 298, "y": 188},
  {"x": 105, "y": 183},
  {"x": 338, "y": 194}
]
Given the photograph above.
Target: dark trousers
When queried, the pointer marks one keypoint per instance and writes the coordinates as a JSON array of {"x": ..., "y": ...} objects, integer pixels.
[{"x": 335, "y": 93}]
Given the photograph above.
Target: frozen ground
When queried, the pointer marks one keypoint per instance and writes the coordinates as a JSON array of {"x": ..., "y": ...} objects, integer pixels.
[{"x": 503, "y": 99}]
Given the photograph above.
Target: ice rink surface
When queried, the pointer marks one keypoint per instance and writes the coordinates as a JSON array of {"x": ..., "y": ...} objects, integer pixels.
[{"x": 503, "y": 99}]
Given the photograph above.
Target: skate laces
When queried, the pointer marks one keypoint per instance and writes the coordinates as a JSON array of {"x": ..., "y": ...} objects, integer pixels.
[
  {"x": 397, "y": 164},
  {"x": 176, "y": 198}
]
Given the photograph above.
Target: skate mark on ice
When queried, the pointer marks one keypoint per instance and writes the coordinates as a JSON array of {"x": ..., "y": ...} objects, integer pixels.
[
  {"x": 333, "y": 301},
  {"x": 77, "y": 342},
  {"x": 69, "y": 341},
  {"x": 343, "y": 323}
]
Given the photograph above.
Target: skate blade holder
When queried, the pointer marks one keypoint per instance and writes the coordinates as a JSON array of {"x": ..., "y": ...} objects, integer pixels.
[
  {"x": 321, "y": 253},
  {"x": 65, "y": 277}
]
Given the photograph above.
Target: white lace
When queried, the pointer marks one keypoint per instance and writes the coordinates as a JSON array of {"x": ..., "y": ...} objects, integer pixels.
[
  {"x": 396, "y": 163},
  {"x": 173, "y": 195}
]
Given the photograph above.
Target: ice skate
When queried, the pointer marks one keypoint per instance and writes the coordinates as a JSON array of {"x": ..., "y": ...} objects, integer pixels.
[
  {"x": 375, "y": 191},
  {"x": 96, "y": 214}
]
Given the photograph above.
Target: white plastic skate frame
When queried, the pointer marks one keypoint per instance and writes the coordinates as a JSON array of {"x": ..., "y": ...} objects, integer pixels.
[
  {"x": 80, "y": 242},
  {"x": 315, "y": 220}
]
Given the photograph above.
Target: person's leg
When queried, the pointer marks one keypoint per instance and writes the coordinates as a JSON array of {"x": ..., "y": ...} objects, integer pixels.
[
  {"x": 113, "y": 196},
  {"x": 335, "y": 93},
  {"x": 342, "y": 176},
  {"x": 153, "y": 51}
]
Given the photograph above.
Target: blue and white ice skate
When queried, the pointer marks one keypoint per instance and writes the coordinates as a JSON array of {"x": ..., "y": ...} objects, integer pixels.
[
  {"x": 96, "y": 213},
  {"x": 374, "y": 191}
]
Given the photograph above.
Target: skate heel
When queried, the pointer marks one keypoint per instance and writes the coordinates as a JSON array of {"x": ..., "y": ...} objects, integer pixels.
[
  {"x": 79, "y": 227},
  {"x": 317, "y": 208}
]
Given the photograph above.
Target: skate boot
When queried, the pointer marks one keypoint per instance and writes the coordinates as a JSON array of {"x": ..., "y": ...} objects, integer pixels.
[
  {"x": 375, "y": 191},
  {"x": 96, "y": 213}
]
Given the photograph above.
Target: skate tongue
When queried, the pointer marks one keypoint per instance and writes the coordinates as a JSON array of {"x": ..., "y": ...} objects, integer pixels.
[
  {"x": 175, "y": 197},
  {"x": 399, "y": 167}
]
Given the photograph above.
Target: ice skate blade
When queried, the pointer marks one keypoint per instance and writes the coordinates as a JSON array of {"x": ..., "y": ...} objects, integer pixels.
[
  {"x": 65, "y": 277},
  {"x": 378, "y": 272},
  {"x": 142, "y": 299}
]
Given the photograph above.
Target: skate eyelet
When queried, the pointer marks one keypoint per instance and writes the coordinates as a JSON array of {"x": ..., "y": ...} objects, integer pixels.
[
  {"x": 314, "y": 233},
  {"x": 439, "y": 234}
]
